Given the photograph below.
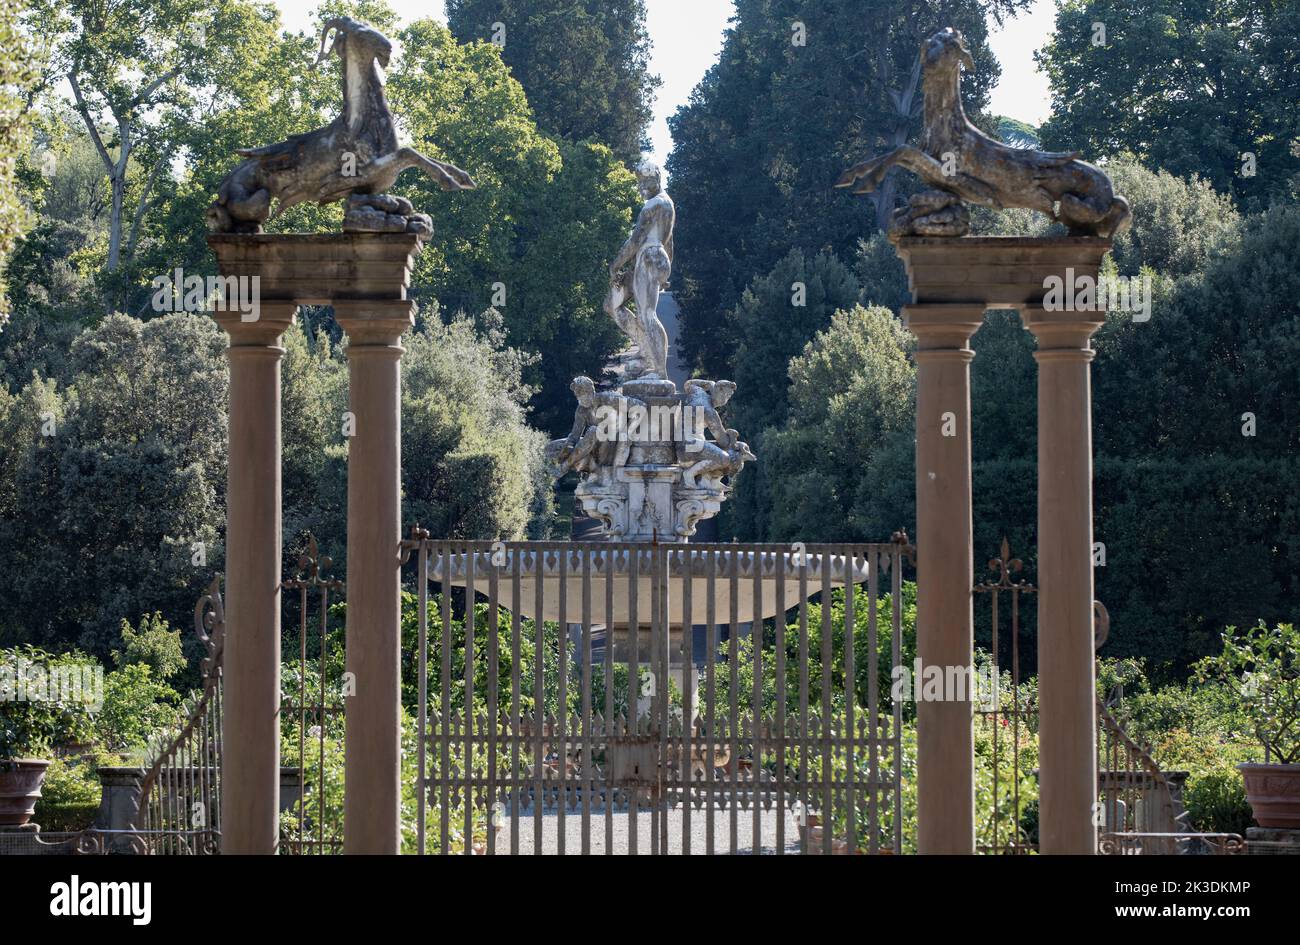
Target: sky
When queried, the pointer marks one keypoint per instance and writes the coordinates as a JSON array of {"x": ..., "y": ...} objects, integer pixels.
[{"x": 687, "y": 36}]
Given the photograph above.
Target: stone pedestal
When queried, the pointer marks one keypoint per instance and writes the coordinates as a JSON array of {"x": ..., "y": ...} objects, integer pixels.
[
  {"x": 953, "y": 281},
  {"x": 365, "y": 277},
  {"x": 1273, "y": 841}
]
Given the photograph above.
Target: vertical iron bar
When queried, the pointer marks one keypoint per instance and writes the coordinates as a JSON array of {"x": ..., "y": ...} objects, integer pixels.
[
  {"x": 493, "y": 681},
  {"x": 686, "y": 758},
  {"x": 828, "y": 664},
  {"x": 444, "y": 710},
  {"x": 585, "y": 756},
  {"x": 633, "y": 727},
  {"x": 778, "y": 622},
  {"x": 538, "y": 732},
  {"x": 422, "y": 729},
  {"x": 805, "y": 743},
  {"x": 516, "y": 698},
  {"x": 470, "y": 597},
  {"x": 710, "y": 679},
  {"x": 756, "y": 700},
  {"x": 733, "y": 691},
  {"x": 607, "y": 662},
  {"x": 562, "y": 642},
  {"x": 896, "y": 658},
  {"x": 997, "y": 744}
]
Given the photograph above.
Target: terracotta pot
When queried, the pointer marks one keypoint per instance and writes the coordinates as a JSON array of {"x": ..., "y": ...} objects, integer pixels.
[
  {"x": 20, "y": 789},
  {"x": 1274, "y": 794},
  {"x": 816, "y": 841}
]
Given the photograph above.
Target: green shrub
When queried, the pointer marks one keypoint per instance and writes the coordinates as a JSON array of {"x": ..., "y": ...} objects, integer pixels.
[
  {"x": 136, "y": 706},
  {"x": 70, "y": 796},
  {"x": 1216, "y": 803},
  {"x": 1264, "y": 664},
  {"x": 155, "y": 645}
]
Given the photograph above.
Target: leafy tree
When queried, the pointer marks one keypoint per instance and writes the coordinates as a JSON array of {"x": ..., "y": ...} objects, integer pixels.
[
  {"x": 536, "y": 237},
  {"x": 17, "y": 77},
  {"x": 1190, "y": 88},
  {"x": 154, "y": 645},
  {"x": 131, "y": 108},
  {"x": 1178, "y": 224},
  {"x": 583, "y": 63},
  {"x": 850, "y": 394},
  {"x": 472, "y": 466},
  {"x": 777, "y": 316},
  {"x": 137, "y": 706},
  {"x": 773, "y": 123},
  {"x": 116, "y": 480}
]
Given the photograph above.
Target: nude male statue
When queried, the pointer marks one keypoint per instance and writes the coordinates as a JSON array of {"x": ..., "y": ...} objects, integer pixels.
[{"x": 650, "y": 251}]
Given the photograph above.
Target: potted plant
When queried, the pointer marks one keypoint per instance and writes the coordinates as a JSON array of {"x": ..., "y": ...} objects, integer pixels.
[
  {"x": 1264, "y": 664},
  {"x": 24, "y": 760},
  {"x": 33, "y": 718}
]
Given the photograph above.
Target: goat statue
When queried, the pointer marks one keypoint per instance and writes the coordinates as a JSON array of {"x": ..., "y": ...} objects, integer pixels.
[
  {"x": 355, "y": 156},
  {"x": 961, "y": 163}
]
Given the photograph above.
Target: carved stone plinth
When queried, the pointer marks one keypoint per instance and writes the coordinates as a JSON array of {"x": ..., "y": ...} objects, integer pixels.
[{"x": 318, "y": 269}]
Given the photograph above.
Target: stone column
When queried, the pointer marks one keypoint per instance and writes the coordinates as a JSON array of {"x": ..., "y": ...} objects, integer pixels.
[
  {"x": 372, "y": 798},
  {"x": 250, "y": 782},
  {"x": 945, "y": 565},
  {"x": 1067, "y": 753}
]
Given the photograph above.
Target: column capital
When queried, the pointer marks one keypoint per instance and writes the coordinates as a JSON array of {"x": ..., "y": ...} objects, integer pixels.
[
  {"x": 263, "y": 329},
  {"x": 943, "y": 327},
  {"x": 1061, "y": 333},
  {"x": 374, "y": 321}
]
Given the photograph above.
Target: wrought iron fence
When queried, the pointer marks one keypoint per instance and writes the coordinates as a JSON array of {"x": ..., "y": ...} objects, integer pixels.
[
  {"x": 684, "y": 698},
  {"x": 311, "y": 714},
  {"x": 1010, "y": 720},
  {"x": 179, "y": 803},
  {"x": 1139, "y": 807}
]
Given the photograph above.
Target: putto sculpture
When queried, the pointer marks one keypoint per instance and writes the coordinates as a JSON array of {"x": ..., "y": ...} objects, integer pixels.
[
  {"x": 649, "y": 250},
  {"x": 356, "y": 156},
  {"x": 962, "y": 163}
]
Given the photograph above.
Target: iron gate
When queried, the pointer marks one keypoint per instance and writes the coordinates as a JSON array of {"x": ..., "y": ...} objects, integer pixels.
[{"x": 614, "y": 697}]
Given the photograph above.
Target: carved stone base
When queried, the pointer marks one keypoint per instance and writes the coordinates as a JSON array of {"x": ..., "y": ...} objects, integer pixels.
[{"x": 649, "y": 503}]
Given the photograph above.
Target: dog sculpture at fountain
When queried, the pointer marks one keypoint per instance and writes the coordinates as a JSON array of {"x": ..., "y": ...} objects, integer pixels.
[
  {"x": 962, "y": 163},
  {"x": 356, "y": 156}
]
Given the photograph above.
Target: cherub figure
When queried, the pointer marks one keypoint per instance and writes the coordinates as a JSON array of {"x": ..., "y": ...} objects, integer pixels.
[
  {"x": 596, "y": 444},
  {"x": 701, "y": 401}
]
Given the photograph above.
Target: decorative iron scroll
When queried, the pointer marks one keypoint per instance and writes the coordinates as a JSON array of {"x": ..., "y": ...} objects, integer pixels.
[{"x": 178, "y": 807}]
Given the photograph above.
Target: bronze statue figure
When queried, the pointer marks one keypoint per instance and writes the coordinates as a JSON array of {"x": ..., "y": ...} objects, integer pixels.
[
  {"x": 962, "y": 163},
  {"x": 355, "y": 156}
]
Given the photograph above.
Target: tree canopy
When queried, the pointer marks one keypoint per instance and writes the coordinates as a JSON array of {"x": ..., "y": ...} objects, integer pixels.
[
  {"x": 1191, "y": 88},
  {"x": 584, "y": 64}
]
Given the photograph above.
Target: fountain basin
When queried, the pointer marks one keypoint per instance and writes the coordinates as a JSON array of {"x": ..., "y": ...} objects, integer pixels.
[{"x": 782, "y": 580}]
